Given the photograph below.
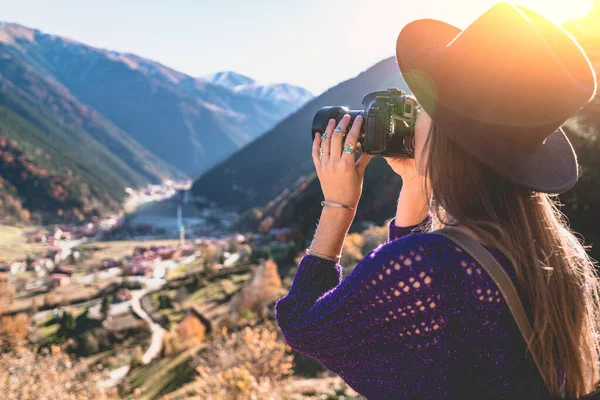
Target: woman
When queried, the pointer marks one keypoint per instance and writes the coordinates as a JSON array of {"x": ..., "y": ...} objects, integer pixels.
[{"x": 418, "y": 318}]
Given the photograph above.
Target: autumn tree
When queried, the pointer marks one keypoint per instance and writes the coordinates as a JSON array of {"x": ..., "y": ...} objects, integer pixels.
[
  {"x": 188, "y": 333},
  {"x": 14, "y": 330},
  {"x": 259, "y": 293},
  {"x": 5, "y": 293}
]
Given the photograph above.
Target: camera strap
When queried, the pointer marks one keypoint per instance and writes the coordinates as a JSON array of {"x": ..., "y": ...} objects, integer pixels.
[{"x": 505, "y": 285}]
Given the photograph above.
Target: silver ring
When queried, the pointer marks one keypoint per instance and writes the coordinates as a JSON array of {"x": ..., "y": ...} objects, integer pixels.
[
  {"x": 338, "y": 129},
  {"x": 349, "y": 148}
]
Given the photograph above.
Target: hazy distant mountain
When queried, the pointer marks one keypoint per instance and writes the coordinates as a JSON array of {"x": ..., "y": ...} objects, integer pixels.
[
  {"x": 229, "y": 79},
  {"x": 264, "y": 169},
  {"x": 294, "y": 96},
  {"x": 187, "y": 122}
]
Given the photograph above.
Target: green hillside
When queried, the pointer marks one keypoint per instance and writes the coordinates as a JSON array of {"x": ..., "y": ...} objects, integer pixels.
[{"x": 57, "y": 134}]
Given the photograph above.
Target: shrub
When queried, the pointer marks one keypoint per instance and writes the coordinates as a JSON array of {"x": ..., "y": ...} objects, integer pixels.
[
  {"x": 14, "y": 332},
  {"x": 50, "y": 375},
  {"x": 87, "y": 345},
  {"x": 188, "y": 333},
  {"x": 263, "y": 288},
  {"x": 243, "y": 365}
]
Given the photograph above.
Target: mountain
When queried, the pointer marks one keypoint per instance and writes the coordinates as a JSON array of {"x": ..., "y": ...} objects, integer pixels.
[
  {"x": 189, "y": 123},
  {"x": 229, "y": 79},
  {"x": 29, "y": 192},
  {"x": 274, "y": 92},
  {"x": 68, "y": 141},
  {"x": 276, "y": 161}
]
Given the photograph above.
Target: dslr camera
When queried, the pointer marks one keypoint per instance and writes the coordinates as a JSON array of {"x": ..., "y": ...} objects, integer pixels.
[{"x": 388, "y": 126}]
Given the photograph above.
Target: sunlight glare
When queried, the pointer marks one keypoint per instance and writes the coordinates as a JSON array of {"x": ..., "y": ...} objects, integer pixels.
[{"x": 558, "y": 11}]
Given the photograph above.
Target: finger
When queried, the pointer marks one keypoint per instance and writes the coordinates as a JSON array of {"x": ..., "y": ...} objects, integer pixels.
[
  {"x": 326, "y": 140},
  {"x": 315, "y": 150},
  {"x": 362, "y": 162},
  {"x": 352, "y": 139},
  {"x": 338, "y": 138}
]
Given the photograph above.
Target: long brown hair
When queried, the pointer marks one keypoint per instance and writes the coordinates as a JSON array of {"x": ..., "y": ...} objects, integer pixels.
[{"x": 552, "y": 265}]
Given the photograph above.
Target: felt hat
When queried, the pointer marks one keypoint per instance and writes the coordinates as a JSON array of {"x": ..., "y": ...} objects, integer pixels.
[{"x": 501, "y": 89}]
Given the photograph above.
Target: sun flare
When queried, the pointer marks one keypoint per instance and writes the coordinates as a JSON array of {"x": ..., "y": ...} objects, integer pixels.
[{"x": 559, "y": 11}]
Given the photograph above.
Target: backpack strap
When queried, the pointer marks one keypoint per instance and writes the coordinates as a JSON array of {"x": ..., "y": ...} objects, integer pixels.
[{"x": 500, "y": 277}]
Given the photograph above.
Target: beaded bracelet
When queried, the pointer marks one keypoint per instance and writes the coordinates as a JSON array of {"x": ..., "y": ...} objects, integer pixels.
[
  {"x": 328, "y": 203},
  {"x": 326, "y": 257}
]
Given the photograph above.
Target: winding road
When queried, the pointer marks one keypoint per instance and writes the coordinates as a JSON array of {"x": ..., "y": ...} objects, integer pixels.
[
  {"x": 157, "y": 330},
  {"x": 117, "y": 375}
]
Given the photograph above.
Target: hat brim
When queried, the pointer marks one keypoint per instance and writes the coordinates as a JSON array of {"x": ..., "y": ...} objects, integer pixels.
[
  {"x": 550, "y": 168},
  {"x": 422, "y": 39}
]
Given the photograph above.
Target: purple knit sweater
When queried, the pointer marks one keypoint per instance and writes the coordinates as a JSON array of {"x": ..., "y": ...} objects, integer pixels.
[{"x": 418, "y": 318}]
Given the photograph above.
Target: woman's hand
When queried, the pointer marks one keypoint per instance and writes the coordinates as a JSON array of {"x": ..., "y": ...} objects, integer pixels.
[
  {"x": 413, "y": 205},
  {"x": 340, "y": 175},
  {"x": 405, "y": 167}
]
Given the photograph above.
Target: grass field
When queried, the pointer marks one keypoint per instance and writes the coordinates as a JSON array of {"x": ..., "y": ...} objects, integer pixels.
[
  {"x": 217, "y": 290},
  {"x": 14, "y": 247},
  {"x": 182, "y": 270},
  {"x": 162, "y": 376}
]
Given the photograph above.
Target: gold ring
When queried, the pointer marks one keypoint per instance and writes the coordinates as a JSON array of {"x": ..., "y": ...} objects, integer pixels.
[{"x": 349, "y": 148}]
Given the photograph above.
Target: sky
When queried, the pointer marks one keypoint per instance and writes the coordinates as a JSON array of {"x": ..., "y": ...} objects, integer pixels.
[{"x": 311, "y": 43}]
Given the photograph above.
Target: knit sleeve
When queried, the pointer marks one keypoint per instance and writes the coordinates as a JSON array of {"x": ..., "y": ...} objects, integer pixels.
[
  {"x": 396, "y": 232},
  {"x": 394, "y": 296}
]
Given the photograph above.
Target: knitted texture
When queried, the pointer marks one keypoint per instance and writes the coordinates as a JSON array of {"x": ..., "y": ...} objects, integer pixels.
[{"x": 418, "y": 318}]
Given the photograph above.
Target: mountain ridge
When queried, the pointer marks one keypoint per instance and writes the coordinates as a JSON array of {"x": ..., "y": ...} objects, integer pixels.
[
  {"x": 189, "y": 123},
  {"x": 259, "y": 172}
]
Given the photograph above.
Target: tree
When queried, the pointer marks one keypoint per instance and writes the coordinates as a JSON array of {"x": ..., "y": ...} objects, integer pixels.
[
  {"x": 67, "y": 326},
  {"x": 14, "y": 330},
  {"x": 87, "y": 345},
  {"x": 5, "y": 292},
  {"x": 105, "y": 306},
  {"x": 102, "y": 338},
  {"x": 268, "y": 254}
]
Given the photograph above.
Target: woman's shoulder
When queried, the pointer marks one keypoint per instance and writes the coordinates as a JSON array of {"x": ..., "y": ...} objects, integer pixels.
[
  {"x": 413, "y": 255},
  {"x": 442, "y": 259},
  {"x": 436, "y": 253},
  {"x": 436, "y": 245},
  {"x": 429, "y": 243}
]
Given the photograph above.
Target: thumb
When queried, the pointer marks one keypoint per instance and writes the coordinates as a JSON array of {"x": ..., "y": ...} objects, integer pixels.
[{"x": 362, "y": 162}]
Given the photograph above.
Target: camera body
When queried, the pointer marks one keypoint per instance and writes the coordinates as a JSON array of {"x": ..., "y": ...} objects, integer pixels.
[{"x": 388, "y": 122}]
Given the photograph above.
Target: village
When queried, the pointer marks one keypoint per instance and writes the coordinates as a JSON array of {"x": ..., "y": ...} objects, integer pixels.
[{"x": 126, "y": 303}]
